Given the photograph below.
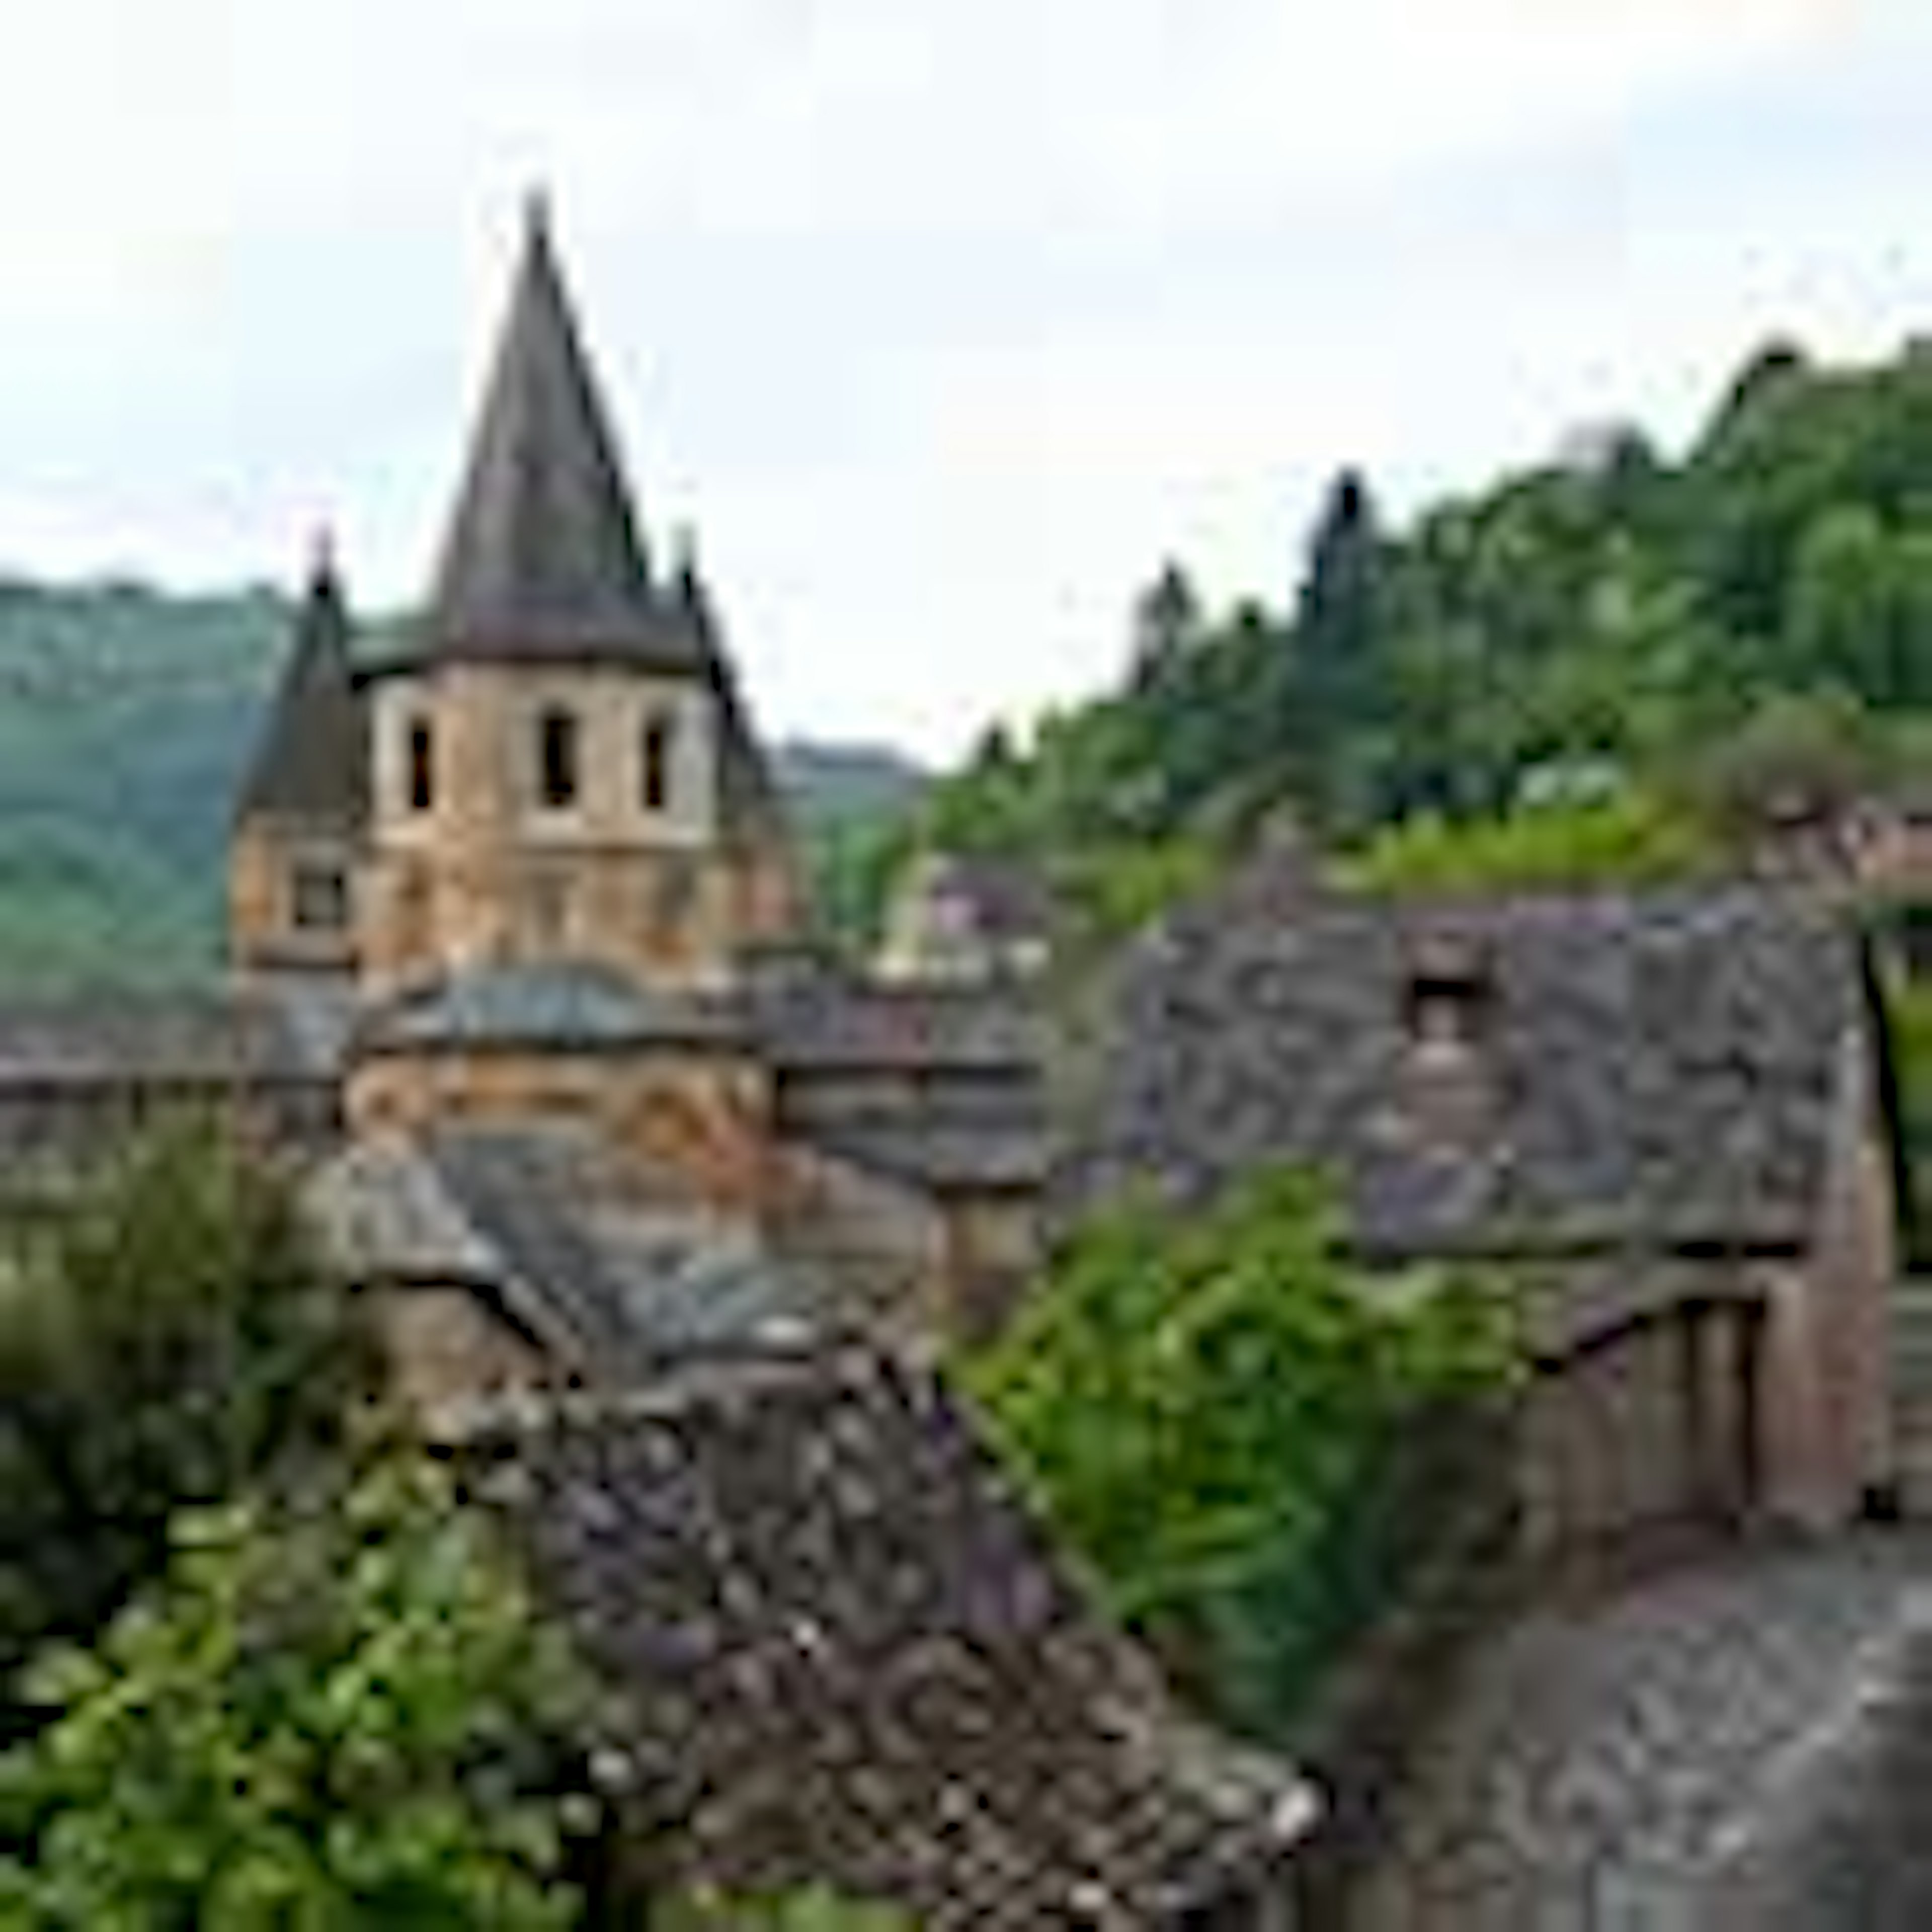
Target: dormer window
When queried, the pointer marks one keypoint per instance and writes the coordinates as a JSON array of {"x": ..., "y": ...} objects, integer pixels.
[
  {"x": 557, "y": 774},
  {"x": 421, "y": 766},
  {"x": 658, "y": 744}
]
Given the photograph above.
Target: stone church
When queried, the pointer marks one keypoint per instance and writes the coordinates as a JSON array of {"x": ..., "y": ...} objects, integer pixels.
[
  {"x": 523, "y": 886},
  {"x": 656, "y": 1202}
]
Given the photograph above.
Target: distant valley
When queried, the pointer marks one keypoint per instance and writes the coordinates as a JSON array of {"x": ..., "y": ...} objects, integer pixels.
[{"x": 126, "y": 714}]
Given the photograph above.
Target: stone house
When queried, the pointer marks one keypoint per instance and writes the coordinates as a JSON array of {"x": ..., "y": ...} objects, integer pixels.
[{"x": 1661, "y": 1121}]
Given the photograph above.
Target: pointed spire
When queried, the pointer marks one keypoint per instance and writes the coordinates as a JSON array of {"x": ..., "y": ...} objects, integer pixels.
[
  {"x": 311, "y": 760},
  {"x": 543, "y": 558}
]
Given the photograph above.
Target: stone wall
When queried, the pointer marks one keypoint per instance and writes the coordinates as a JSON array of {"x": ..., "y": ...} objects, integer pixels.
[
  {"x": 491, "y": 872},
  {"x": 700, "y": 1121},
  {"x": 264, "y": 932}
]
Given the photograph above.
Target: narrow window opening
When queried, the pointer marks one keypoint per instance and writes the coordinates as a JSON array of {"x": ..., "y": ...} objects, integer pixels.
[
  {"x": 659, "y": 740},
  {"x": 557, "y": 758},
  {"x": 422, "y": 766}
]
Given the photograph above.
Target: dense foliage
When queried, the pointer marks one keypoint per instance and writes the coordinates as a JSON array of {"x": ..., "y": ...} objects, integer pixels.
[
  {"x": 1628, "y": 837},
  {"x": 168, "y": 1341},
  {"x": 126, "y": 716},
  {"x": 342, "y": 1716},
  {"x": 1698, "y": 632},
  {"x": 1215, "y": 1410},
  {"x": 1909, "y": 1006},
  {"x": 315, "y": 1696}
]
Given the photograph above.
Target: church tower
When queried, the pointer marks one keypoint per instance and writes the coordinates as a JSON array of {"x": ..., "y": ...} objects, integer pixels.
[
  {"x": 302, "y": 809},
  {"x": 562, "y": 771}
]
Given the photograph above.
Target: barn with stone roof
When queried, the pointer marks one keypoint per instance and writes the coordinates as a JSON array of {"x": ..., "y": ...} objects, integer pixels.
[{"x": 1664, "y": 1119}]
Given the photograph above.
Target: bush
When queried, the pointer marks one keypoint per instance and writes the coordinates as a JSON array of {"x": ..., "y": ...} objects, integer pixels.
[
  {"x": 168, "y": 1341},
  {"x": 1208, "y": 1408},
  {"x": 345, "y": 1716}
]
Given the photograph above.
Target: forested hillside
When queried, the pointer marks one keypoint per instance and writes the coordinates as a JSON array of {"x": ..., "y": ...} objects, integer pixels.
[
  {"x": 125, "y": 715},
  {"x": 1619, "y": 647}
]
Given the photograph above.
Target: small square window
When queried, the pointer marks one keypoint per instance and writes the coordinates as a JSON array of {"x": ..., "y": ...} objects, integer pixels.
[{"x": 319, "y": 898}]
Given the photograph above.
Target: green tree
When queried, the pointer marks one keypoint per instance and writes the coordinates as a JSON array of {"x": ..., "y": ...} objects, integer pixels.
[
  {"x": 1207, "y": 1405},
  {"x": 166, "y": 1342},
  {"x": 344, "y": 1716},
  {"x": 1337, "y": 628}
]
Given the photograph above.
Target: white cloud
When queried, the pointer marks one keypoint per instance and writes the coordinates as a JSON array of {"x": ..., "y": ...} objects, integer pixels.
[{"x": 948, "y": 318}]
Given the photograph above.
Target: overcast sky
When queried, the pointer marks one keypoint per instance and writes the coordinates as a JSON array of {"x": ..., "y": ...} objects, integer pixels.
[{"x": 944, "y": 322}]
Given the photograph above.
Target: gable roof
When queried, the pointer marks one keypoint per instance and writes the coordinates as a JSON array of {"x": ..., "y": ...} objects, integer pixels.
[
  {"x": 311, "y": 761},
  {"x": 841, "y": 1652},
  {"x": 1654, "y": 1070},
  {"x": 543, "y": 559}
]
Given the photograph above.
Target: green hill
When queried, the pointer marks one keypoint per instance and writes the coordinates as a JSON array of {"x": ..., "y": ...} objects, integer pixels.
[
  {"x": 125, "y": 715},
  {"x": 1622, "y": 622}
]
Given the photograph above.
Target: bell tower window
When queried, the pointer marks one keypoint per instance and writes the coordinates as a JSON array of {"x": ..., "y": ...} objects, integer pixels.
[
  {"x": 421, "y": 766},
  {"x": 557, "y": 760},
  {"x": 658, "y": 744}
]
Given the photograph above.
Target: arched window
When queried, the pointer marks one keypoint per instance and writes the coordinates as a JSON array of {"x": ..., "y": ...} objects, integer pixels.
[
  {"x": 556, "y": 757},
  {"x": 658, "y": 746},
  {"x": 422, "y": 766}
]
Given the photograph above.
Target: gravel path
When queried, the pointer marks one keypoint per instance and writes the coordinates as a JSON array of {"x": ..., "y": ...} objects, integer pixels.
[{"x": 1599, "y": 1763}]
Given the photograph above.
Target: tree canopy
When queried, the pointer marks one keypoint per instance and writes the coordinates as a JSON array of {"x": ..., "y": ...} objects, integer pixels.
[{"x": 1614, "y": 620}]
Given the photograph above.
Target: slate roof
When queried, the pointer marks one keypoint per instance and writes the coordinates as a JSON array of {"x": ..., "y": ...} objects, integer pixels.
[
  {"x": 750, "y": 807},
  {"x": 311, "y": 760},
  {"x": 572, "y": 1241},
  {"x": 817, "y": 1021},
  {"x": 559, "y": 1003},
  {"x": 543, "y": 559},
  {"x": 841, "y": 1652},
  {"x": 1010, "y": 1155},
  {"x": 635, "y": 1275},
  {"x": 1655, "y": 1070},
  {"x": 1842, "y": 1846},
  {"x": 190, "y": 1037}
]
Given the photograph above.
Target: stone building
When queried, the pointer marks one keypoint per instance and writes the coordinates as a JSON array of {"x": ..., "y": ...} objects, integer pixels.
[
  {"x": 1662, "y": 1122},
  {"x": 531, "y": 859},
  {"x": 657, "y": 1203},
  {"x": 961, "y": 918}
]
